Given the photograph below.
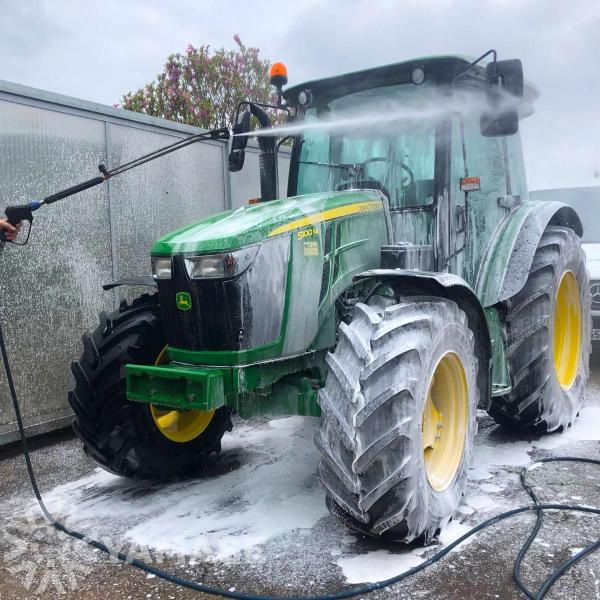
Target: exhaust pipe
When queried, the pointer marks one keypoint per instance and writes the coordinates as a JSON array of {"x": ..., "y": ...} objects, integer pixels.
[{"x": 267, "y": 160}]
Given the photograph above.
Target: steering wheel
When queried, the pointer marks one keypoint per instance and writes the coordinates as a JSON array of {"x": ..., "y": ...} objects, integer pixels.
[{"x": 404, "y": 166}]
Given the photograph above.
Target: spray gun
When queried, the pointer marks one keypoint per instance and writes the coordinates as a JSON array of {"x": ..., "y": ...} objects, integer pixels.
[
  {"x": 24, "y": 212},
  {"x": 14, "y": 215}
]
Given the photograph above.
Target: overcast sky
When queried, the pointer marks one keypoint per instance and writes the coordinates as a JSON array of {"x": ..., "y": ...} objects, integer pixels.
[{"x": 99, "y": 50}]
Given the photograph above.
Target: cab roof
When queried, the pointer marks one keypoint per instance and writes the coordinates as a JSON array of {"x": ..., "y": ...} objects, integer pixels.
[{"x": 441, "y": 70}]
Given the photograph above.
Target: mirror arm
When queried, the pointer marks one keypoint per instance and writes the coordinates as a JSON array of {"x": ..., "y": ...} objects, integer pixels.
[
  {"x": 284, "y": 140},
  {"x": 284, "y": 107},
  {"x": 477, "y": 60}
]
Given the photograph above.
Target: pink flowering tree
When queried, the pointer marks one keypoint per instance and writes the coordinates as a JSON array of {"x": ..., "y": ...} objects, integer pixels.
[{"x": 203, "y": 86}]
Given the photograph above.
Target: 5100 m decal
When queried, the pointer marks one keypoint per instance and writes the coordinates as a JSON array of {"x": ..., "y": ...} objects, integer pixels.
[{"x": 307, "y": 233}]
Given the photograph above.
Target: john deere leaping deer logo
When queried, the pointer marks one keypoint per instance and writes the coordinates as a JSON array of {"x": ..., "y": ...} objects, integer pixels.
[{"x": 183, "y": 301}]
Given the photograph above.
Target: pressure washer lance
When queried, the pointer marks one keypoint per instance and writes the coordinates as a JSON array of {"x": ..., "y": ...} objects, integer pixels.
[{"x": 24, "y": 212}]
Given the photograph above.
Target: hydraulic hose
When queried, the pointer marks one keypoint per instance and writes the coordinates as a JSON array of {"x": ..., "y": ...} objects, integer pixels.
[
  {"x": 538, "y": 524},
  {"x": 536, "y": 508}
]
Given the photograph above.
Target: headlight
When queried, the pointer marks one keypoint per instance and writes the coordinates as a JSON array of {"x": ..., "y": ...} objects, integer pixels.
[
  {"x": 418, "y": 76},
  {"x": 161, "y": 267},
  {"x": 210, "y": 266}
]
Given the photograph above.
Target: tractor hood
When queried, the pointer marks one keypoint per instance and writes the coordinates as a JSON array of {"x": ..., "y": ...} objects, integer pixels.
[{"x": 254, "y": 224}]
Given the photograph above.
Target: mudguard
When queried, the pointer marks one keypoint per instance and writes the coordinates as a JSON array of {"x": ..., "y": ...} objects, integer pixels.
[
  {"x": 453, "y": 287},
  {"x": 506, "y": 265}
]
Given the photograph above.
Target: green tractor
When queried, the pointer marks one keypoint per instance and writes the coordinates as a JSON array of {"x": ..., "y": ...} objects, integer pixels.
[{"x": 403, "y": 283}]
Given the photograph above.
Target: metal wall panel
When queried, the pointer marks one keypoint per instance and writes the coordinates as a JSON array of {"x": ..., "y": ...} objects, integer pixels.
[
  {"x": 50, "y": 290},
  {"x": 148, "y": 202}
]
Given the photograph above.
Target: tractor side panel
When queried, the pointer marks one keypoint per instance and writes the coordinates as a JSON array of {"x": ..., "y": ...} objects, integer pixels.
[
  {"x": 507, "y": 262},
  {"x": 304, "y": 280},
  {"x": 325, "y": 258}
]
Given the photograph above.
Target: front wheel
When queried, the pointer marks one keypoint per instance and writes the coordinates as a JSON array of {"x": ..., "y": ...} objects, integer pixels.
[
  {"x": 134, "y": 439},
  {"x": 399, "y": 418}
]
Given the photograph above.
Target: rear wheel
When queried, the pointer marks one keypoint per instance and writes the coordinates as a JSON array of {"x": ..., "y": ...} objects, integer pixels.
[
  {"x": 548, "y": 328},
  {"x": 130, "y": 438},
  {"x": 399, "y": 418}
]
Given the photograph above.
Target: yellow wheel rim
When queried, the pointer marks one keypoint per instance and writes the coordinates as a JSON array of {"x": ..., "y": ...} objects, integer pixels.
[
  {"x": 445, "y": 421},
  {"x": 567, "y": 330},
  {"x": 177, "y": 426}
]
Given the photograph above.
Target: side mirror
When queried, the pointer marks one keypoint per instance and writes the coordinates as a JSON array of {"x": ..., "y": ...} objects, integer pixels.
[
  {"x": 504, "y": 78},
  {"x": 493, "y": 124},
  {"x": 238, "y": 145},
  {"x": 504, "y": 90}
]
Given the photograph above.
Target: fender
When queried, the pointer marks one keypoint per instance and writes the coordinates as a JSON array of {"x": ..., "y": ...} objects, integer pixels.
[
  {"x": 506, "y": 265},
  {"x": 453, "y": 287},
  {"x": 146, "y": 280}
]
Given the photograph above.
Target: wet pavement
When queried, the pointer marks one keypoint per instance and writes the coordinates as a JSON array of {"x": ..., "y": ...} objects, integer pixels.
[{"x": 257, "y": 522}]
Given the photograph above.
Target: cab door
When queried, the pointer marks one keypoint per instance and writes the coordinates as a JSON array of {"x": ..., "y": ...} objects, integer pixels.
[{"x": 478, "y": 185}]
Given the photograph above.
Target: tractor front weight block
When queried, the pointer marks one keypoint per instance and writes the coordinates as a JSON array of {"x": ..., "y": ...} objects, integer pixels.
[{"x": 181, "y": 388}]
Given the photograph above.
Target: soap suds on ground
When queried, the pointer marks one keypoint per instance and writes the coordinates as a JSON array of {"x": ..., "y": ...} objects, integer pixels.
[
  {"x": 262, "y": 512},
  {"x": 275, "y": 492}
]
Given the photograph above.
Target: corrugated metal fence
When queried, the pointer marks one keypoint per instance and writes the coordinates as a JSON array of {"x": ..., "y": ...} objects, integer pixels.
[{"x": 50, "y": 290}]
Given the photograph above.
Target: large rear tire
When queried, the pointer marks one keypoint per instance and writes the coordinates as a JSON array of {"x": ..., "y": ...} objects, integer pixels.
[
  {"x": 548, "y": 330},
  {"x": 131, "y": 438},
  {"x": 399, "y": 418}
]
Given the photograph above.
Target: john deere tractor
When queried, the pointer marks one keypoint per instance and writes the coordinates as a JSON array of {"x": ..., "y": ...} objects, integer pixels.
[{"x": 404, "y": 282}]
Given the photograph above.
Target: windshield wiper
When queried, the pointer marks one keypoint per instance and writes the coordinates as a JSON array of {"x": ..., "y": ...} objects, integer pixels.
[{"x": 348, "y": 166}]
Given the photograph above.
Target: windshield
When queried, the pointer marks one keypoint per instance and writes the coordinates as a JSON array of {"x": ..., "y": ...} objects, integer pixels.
[{"x": 371, "y": 139}]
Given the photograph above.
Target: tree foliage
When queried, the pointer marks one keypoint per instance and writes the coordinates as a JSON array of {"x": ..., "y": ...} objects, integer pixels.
[{"x": 203, "y": 86}]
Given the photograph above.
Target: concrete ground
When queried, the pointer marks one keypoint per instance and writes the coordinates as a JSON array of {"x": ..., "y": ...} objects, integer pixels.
[{"x": 257, "y": 521}]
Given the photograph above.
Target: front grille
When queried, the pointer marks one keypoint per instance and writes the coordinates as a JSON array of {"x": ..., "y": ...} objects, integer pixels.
[
  {"x": 595, "y": 292},
  {"x": 214, "y": 320},
  {"x": 228, "y": 314}
]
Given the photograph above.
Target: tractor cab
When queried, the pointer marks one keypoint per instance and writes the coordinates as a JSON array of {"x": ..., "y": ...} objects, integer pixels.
[{"x": 436, "y": 136}]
